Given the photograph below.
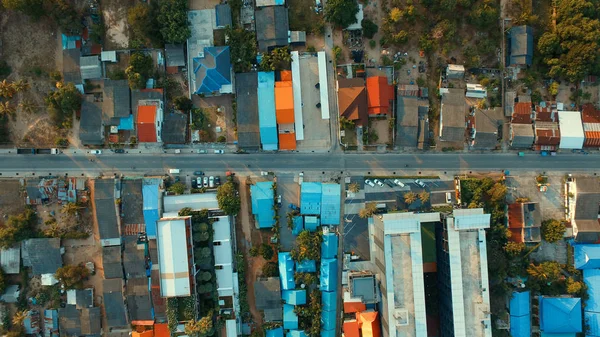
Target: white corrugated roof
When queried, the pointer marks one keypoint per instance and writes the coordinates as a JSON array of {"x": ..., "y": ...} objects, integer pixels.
[
  {"x": 571, "y": 130},
  {"x": 323, "y": 85},
  {"x": 173, "y": 257},
  {"x": 222, "y": 229},
  {"x": 197, "y": 201},
  {"x": 225, "y": 280},
  {"x": 231, "y": 327},
  {"x": 297, "y": 89}
]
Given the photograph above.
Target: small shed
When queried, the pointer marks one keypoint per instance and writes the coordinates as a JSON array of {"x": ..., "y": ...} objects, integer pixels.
[
  {"x": 108, "y": 56},
  {"x": 456, "y": 71},
  {"x": 90, "y": 67}
]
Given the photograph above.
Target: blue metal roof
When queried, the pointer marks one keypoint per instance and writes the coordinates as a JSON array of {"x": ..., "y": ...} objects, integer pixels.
[
  {"x": 592, "y": 319},
  {"x": 126, "y": 123},
  {"x": 267, "y": 119},
  {"x": 521, "y": 45},
  {"x": 277, "y": 332},
  {"x": 329, "y": 300},
  {"x": 328, "y": 279},
  {"x": 329, "y": 246},
  {"x": 70, "y": 42},
  {"x": 213, "y": 70},
  {"x": 295, "y": 297},
  {"x": 290, "y": 319},
  {"x": 519, "y": 304},
  {"x": 311, "y": 223},
  {"x": 296, "y": 333},
  {"x": 330, "y": 204},
  {"x": 328, "y": 320},
  {"x": 328, "y": 333},
  {"x": 150, "y": 202},
  {"x": 520, "y": 314},
  {"x": 520, "y": 326},
  {"x": 591, "y": 278},
  {"x": 310, "y": 198},
  {"x": 286, "y": 271},
  {"x": 560, "y": 314},
  {"x": 262, "y": 203},
  {"x": 306, "y": 266},
  {"x": 587, "y": 256},
  {"x": 298, "y": 225}
]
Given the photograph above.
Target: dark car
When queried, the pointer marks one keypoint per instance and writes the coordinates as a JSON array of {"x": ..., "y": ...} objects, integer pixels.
[
  {"x": 217, "y": 180},
  {"x": 198, "y": 173},
  {"x": 119, "y": 151}
]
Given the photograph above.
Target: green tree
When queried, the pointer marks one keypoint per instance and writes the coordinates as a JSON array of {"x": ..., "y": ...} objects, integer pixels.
[
  {"x": 177, "y": 188},
  {"x": 497, "y": 193},
  {"x": 139, "y": 70},
  {"x": 553, "y": 88},
  {"x": 345, "y": 123},
  {"x": 2, "y": 281},
  {"x": 66, "y": 16},
  {"x": 201, "y": 327},
  {"x": 410, "y": 197},
  {"x": 553, "y": 230},
  {"x": 574, "y": 287},
  {"x": 544, "y": 272},
  {"x": 228, "y": 198},
  {"x": 62, "y": 103},
  {"x": 183, "y": 103},
  {"x": 354, "y": 187},
  {"x": 369, "y": 28},
  {"x": 514, "y": 248},
  {"x": 33, "y": 8},
  {"x": 242, "y": 48},
  {"x": 395, "y": 14},
  {"x": 341, "y": 13},
  {"x": 369, "y": 210},
  {"x": 143, "y": 23},
  {"x": 308, "y": 246},
  {"x": 266, "y": 251},
  {"x": 172, "y": 18},
  {"x": 70, "y": 208},
  {"x": 72, "y": 276},
  {"x": 270, "y": 269},
  {"x": 18, "y": 228},
  {"x": 277, "y": 59},
  {"x": 19, "y": 317},
  {"x": 6, "y": 108}
]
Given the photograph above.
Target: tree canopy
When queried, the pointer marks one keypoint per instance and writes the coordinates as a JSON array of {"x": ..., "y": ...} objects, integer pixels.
[
  {"x": 139, "y": 70},
  {"x": 62, "y": 103},
  {"x": 18, "y": 228},
  {"x": 72, "y": 276},
  {"x": 228, "y": 198},
  {"x": 142, "y": 19},
  {"x": 242, "y": 48},
  {"x": 369, "y": 28},
  {"x": 200, "y": 328},
  {"x": 177, "y": 188},
  {"x": 341, "y": 13},
  {"x": 33, "y": 8},
  {"x": 545, "y": 272},
  {"x": 553, "y": 230},
  {"x": 308, "y": 246},
  {"x": 173, "y": 21}
]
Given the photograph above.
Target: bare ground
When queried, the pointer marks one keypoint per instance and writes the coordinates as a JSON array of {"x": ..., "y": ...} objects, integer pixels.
[
  {"x": 11, "y": 200},
  {"x": 203, "y": 4},
  {"x": 115, "y": 19}
]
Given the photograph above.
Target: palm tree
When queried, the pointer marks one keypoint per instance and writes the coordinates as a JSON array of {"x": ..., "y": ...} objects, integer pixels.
[
  {"x": 354, "y": 187},
  {"x": 424, "y": 196},
  {"x": 70, "y": 208},
  {"x": 7, "y": 90},
  {"x": 6, "y": 109},
  {"x": 410, "y": 197},
  {"x": 27, "y": 106},
  {"x": 19, "y": 317},
  {"x": 20, "y": 85},
  {"x": 53, "y": 231}
]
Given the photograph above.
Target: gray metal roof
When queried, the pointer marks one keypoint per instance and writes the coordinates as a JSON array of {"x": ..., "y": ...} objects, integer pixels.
[
  {"x": 106, "y": 213},
  {"x": 69, "y": 321},
  {"x": 114, "y": 308},
  {"x": 174, "y": 128},
  {"x": 223, "y": 15},
  {"x": 247, "y": 115},
  {"x": 521, "y": 45},
  {"x": 90, "y": 67},
  {"x": 84, "y": 298},
  {"x": 91, "y": 128},
  {"x": 42, "y": 255},
  {"x": 522, "y": 135},
  {"x": 131, "y": 202},
  {"x": 111, "y": 262},
  {"x": 453, "y": 134},
  {"x": 267, "y": 292},
  {"x": 139, "y": 305},
  {"x": 10, "y": 259},
  {"x": 115, "y": 99},
  {"x": 272, "y": 27},
  {"x": 174, "y": 55},
  {"x": 91, "y": 321},
  {"x": 71, "y": 72},
  {"x": 133, "y": 258},
  {"x": 453, "y": 113}
]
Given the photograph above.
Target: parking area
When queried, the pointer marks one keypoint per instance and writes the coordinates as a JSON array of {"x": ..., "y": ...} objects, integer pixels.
[
  {"x": 551, "y": 201},
  {"x": 316, "y": 129}
]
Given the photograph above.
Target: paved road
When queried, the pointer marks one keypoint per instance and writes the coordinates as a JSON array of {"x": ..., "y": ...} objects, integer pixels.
[{"x": 156, "y": 164}]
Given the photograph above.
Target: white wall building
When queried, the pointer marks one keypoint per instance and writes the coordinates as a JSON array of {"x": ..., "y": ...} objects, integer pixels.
[
  {"x": 571, "y": 130},
  {"x": 173, "y": 249}
]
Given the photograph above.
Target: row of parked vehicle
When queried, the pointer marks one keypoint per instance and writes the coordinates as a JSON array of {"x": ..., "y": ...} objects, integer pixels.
[
  {"x": 204, "y": 181},
  {"x": 391, "y": 183}
]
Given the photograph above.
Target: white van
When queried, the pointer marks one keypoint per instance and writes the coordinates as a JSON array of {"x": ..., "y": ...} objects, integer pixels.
[{"x": 174, "y": 171}]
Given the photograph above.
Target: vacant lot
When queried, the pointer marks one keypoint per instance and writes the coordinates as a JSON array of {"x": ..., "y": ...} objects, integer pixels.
[
  {"x": 115, "y": 19},
  {"x": 11, "y": 202}
]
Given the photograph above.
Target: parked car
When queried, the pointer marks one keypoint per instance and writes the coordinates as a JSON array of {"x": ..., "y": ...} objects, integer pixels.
[
  {"x": 211, "y": 182},
  {"x": 293, "y": 207},
  {"x": 217, "y": 180},
  {"x": 398, "y": 182},
  {"x": 370, "y": 183},
  {"x": 448, "y": 197},
  {"x": 119, "y": 151},
  {"x": 205, "y": 181},
  {"x": 378, "y": 182},
  {"x": 219, "y": 151},
  {"x": 96, "y": 152},
  {"x": 420, "y": 183},
  {"x": 195, "y": 183},
  {"x": 279, "y": 200},
  {"x": 198, "y": 173}
]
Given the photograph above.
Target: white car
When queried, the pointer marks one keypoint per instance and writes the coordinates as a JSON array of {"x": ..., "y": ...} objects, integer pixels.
[
  {"x": 370, "y": 183},
  {"x": 219, "y": 151},
  {"x": 211, "y": 182},
  {"x": 205, "y": 181},
  {"x": 378, "y": 182},
  {"x": 96, "y": 152},
  {"x": 420, "y": 183},
  {"x": 398, "y": 182}
]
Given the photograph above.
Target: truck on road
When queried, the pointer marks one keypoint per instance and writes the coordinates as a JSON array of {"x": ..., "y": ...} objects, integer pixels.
[{"x": 38, "y": 151}]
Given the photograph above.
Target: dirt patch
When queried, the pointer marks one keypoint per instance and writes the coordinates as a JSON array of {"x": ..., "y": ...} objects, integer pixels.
[
  {"x": 218, "y": 111},
  {"x": 382, "y": 128},
  {"x": 11, "y": 200},
  {"x": 203, "y": 4},
  {"x": 115, "y": 20}
]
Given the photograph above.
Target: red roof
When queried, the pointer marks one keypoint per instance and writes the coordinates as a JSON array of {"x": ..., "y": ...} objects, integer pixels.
[
  {"x": 547, "y": 135},
  {"x": 351, "y": 329},
  {"x": 522, "y": 113},
  {"x": 350, "y": 307},
  {"x": 379, "y": 95},
  {"x": 368, "y": 322},
  {"x": 287, "y": 141},
  {"x": 146, "y": 127},
  {"x": 161, "y": 330},
  {"x": 591, "y": 125}
]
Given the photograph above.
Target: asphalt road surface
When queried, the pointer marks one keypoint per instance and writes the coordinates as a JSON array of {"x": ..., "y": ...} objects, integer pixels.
[{"x": 158, "y": 164}]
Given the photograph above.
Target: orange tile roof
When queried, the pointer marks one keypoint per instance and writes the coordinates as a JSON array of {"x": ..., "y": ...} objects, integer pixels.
[
  {"x": 286, "y": 75},
  {"x": 379, "y": 94},
  {"x": 287, "y": 141},
  {"x": 351, "y": 329},
  {"x": 522, "y": 113},
  {"x": 284, "y": 104},
  {"x": 369, "y": 323},
  {"x": 146, "y": 129},
  {"x": 350, "y": 307},
  {"x": 147, "y": 333},
  {"x": 161, "y": 330}
]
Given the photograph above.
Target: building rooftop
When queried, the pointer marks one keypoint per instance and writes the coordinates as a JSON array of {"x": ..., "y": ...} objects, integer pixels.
[
  {"x": 272, "y": 27},
  {"x": 452, "y": 116},
  {"x": 295, "y": 297},
  {"x": 10, "y": 259},
  {"x": 329, "y": 246},
  {"x": 586, "y": 209},
  {"x": 560, "y": 315},
  {"x": 90, "y": 127},
  {"x": 310, "y": 198},
  {"x": 90, "y": 67},
  {"x": 174, "y": 128},
  {"x": 330, "y": 204},
  {"x": 524, "y": 222},
  {"x": 363, "y": 285},
  {"x": 115, "y": 100},
  {"x": 379, "y": 95},
  {"x": 212, "y": 71},
  {"x": 111, "y": 262},
  {"x": 139, "y": 304},
  {"x": 223, "y": 15},
  {"x": 173, "y": 261},
  {"x": 262, "y": 204},
  {"x": 174, "y": 55},
  {"x": 71, "y": 72},
  {"x": 81, "y": 298},
  {"x": 290, "y": 318},
  {"x": 286, "y": 271},
  {"x": 267, "y": 292},
  {"x": 328, "y": 275},
  {"x": 587, "y": 256},
  {"x": 247, "y": 105},
  {"x": 267, "y": 119},
  {"x": 520, "y": 314},
  {"x": 150, "y": 192},
  {"x": 114, "y": 308},
  {"x": 487, "y": 124},
  {"x": 131, "y": 207},
  {"x": 134, "y": 257},
  {"x": 198, "y": 201},
  {"x": 352, "y": 100},
  {"x": 42, "y": 255},
  {"x": 105, "y": 209},
  {"x": 522, "y": 135},
  {"x": 521, "y": 45}
]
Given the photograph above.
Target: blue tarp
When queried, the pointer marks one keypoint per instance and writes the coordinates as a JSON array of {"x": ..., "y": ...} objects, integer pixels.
[
  {"x": 328, "y": 333},
  {"x": 329, "y": 300},
  {"x": 70, "y": 42},
  {"x": 296, "y": 333},
  {"x": 520, "y": 314},
  {"x": 267, "y": 120},
  {"x": 311, "y": 223},
  {"x": 126, "y": 123},
  {"x": 277, "y": 332},
  {"x": 328, "y": 279},
  {"x": 330, "y": 204},
  {"x": 290, "y": 319},
  {"x": 560, "y": 314},
  {"x": 262, "y": 204},
  {"x": 150, "y": 200},
  {"x": 213, "y": 70},
  {"x": 329, "y": 246},
  {"x": 591, "y": 278},
  {"x": 328, "y": 320},
  {"x": 587, "y": 256},
  {"x": 306, "y": 266},
  {"x": 286, "y": 271},
  {"x": 298, "y": 225},
  {"x": 295, "y": 297},
  {"x": 310, "y": 198}
]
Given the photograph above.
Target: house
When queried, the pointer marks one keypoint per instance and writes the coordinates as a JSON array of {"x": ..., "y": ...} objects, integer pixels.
[
  {"x": 284, "y": 111},
  {"x": 134, "y": 258},
  {"x": 90, "y": 67},
  {"x": 91, "y": 127},
  {"x": 521, "y": 46},
  {"x": 408, "y": 114},
  {"x": 264, "y": 3},
  {"x": 79, "y": 322},
  {"x": 590, "y": 117},
  {"x": 352, "y": 100},
  {"x": 197, "y": 202},
  {"x": 43, "y": 256},
  {"x": 560, "y": 316},
  {"x": 290, "y": 318},
  {"x": 520, "y": 314},
  {"x": 116, "y": 105},
  {"x": 10, "y": 259},
  {"x": 330, "y": 204},
  {"x": 297, "y": 38},
  {"x": 111, "y": 262},
  {"x": 476, "y": 91},
  {"x": 379, "y": 96},
  {"x": 247, "y": 106},
  {"x": 223, "y": 15},
  {"x": 363, "y": 285},
  {"x": 112, "y": 300},
  {"x": 328, "y": 276},
  {"x": 295, "y": 297},
  {"x": 357, "y": 25},
  {"x": 275, "y": 332},
  {"x": 212, "y": 72},
  {"x": 455, "y": 71},
  {"x": 329, "y": 246},
  {"x": 310, "y": 198},
  {"x": 267, "y": 117},
  {"x": 524, "y": 222},
  {"x": 591, "y": 278},
  {"x": 104, "y": 204},
  {"x": 267, "y": 292},
  {"x": 175, "y": 57},
  {"x": 286, "y": 271},
  {"x": 272, "y": 27},
  {"x": 547, "y": 132},
  {"x": 139, "y": 303},
  {"x": 585, "y": 221},
  {"x": 108, "y": 56},
  {"x": 70, "y": 71},
  {"x": 452, "y": 116},
  {"x": 510, "y": 98},
  {"x": 488, "y": 124},
  {"x": 368, "y": 323},
  {"x": 223, "y": 253},
  {"x": 586, "y": 256},
  {"x": 174, "y": 245},
  {"x": 521, "y": 128},
  {"x": 148, "y": 122},
  {"x": 150, "y": 193},
  {"x": 174, "y": 127},
  {"x": 262, "y": 204},
  {"x": 51, "y": 323},
  {"x": 81, "y": 298},
  {"x": 11, "y": 294},
  {"x": 31, "y": 323},
  {"x": 571, "y": 130}
]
